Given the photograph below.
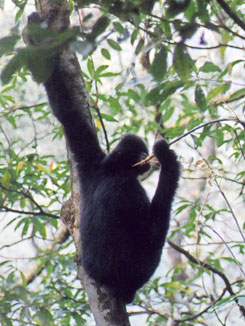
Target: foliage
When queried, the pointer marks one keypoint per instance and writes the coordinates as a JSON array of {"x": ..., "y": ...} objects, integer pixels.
[{"x": 151, "y": 67}]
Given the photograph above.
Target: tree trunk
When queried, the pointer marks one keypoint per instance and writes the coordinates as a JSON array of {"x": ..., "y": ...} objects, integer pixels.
[{"x": 106, "y": 310}]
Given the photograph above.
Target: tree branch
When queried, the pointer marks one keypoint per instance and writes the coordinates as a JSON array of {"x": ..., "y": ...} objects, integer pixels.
[
  {"x": 7, "y": 209},
  {"x": 191, "y": 131},
  {"x": 106, "y": 310},
  {"x": 210, "y": 268},
  {"x": 11, "y": 110},
  {"x": 231, "y": 13},
  {"x": 204, "y": 125}
]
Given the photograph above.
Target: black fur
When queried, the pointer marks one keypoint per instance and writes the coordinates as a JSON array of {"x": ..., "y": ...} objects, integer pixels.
[{"x": 122, "y": 231}]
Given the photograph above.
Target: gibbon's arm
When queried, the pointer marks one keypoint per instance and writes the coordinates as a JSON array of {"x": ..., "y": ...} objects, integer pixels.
[
  {"x": 63, "y": 94},
  {"x": 69, "y": 102},
  {"x": 164, "y": 195}
]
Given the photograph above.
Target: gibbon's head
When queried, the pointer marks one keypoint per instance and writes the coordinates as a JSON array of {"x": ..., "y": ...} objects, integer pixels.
[{"x": 130, "y": 150}]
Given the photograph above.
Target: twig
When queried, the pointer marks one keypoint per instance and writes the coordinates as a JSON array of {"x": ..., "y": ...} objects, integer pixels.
[
  {"x": 103, "y": 127},
  {"x": 192, "y": 317},
  {"x": 204, "y": 125},
  {"x": 148, "y": 158},
  {"x": 239, "y": 144},
  {"x": 41, "y": 212},
  {"x": 15, "y": 243},
  {"x": 11, "y": 110},
  {"x": 210, "y": 268},
  {"x": 230, "y": 208},
  {"x": 227, "y": 203},
  {"x": 210, "y": 25},
  {"x": 229, "y": 100},
  {"x": 101, "y": 119},
  {"x": 228, "y": 248},
  {"x": 231, "y": 13}
]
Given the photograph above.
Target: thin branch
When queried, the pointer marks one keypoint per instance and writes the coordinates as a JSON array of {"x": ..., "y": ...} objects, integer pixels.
[
  {"x": 103, "y": 127},
  {"x": 230, "y": 208},
  {"x": 101, "y": 119},
  {"x": 21, "y": 193},
  {"x": 210, "y": 25},
  {"x": 192, "y": 317},
  {"x": 151, "y": 311},
  {"x": 239, "y": 144},
  {"x": 228, "y": 204},
  {"x": 190, "y": 132},
  {"x": 11, "y": 110},
  {"x": 228, "y": 248},
  {"x": 204, "y": 125},
  {"x": 217, "y": 176},
  {"x": 42, "y": 212},
  {"x": 217, "y": 46},
  {"x": 15, "y": 243},
  {"x": 228, "y": 100},
  {"x": 210, "y": 268},
  {"x": 231, "y": 13},
  {"x": 220, "y": 45}
]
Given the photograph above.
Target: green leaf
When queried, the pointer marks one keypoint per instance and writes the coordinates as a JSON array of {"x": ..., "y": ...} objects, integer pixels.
[
  {"x": 7, "y": 43},
  {"x": 90, "y": 66},
  {"x": 200, "y": 98},
  {"x": 119, "y": 28},
  {"x": 108, "y": 117},
  {"x": 159, "y": 64},
  {"x": 168, "y": 114},
  {"x": 153, "y": 97},
  {"x": 98, "y": 28},
  {"x": 14, "y": 64},
  {"x": 78, "y": 319},
  {"x": 6, "y": 179},
  {"x": 217, "y": 90},
  {"x": 98, "y": 71},
  {"x": 45, "y": 317},
  {"x": 210, "y": 67},
  {"x": 23, "y": 277},
  {"x": 169, "y": 88},
  {"x": 175, "y": 7},
  {"x": 134, "y": 36},
  {"x": 182, "y": 62},
  {"x": 237, "y": 94},
  {"x": 219, "y": 137},
  {"x": 106, "y": 53},
  {"x": 25, "y": 227},
  {"x": 139, "y": 46},
  {"x": 187, "y": 30},
  {"x": 114, "y": 44},
  {"x": 39, "y": 227},
  {"x": 202, "y": 10},
  {"x": 110, "y": 74},
  {"x": 40, "y": 67},
  {"x": 5, "y": 320}
]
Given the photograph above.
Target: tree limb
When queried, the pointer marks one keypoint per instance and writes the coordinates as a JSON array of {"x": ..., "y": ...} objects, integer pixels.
[
  {"x": 106, "y": 310},
  {"x": 231, "y": 13},
  {"x": 210, "y": 268}
]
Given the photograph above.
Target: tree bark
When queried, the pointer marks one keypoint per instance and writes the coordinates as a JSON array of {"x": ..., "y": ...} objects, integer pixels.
[{"x": 106, "y": 310}]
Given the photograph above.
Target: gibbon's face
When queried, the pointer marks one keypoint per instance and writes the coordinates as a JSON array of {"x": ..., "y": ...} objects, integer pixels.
[{"x": 132, "y": 150}]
